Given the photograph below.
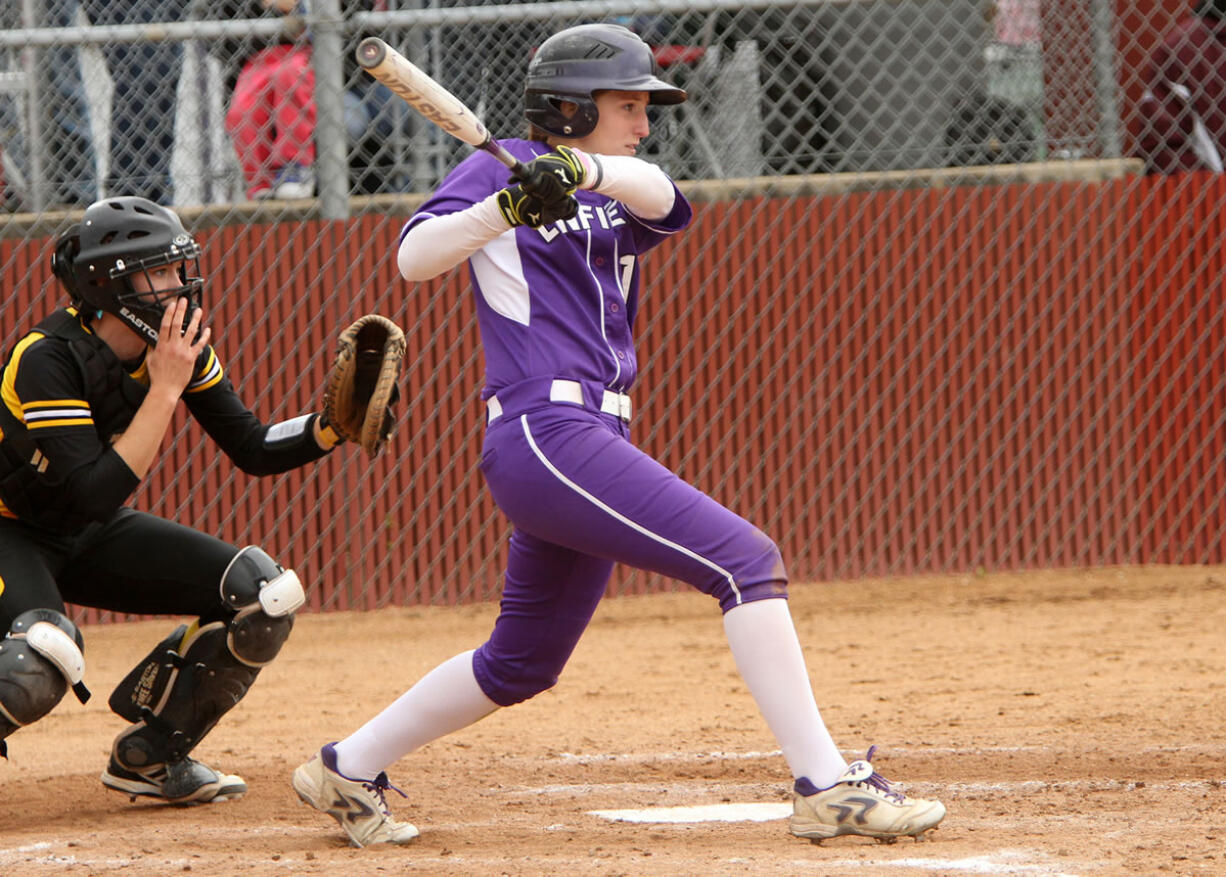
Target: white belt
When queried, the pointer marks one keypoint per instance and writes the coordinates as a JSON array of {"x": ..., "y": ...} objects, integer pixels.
[{"x": 617, "y": 404}]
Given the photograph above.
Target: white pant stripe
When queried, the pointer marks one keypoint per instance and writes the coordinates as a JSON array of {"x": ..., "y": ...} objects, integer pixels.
[{"x": 540, "y": 455}]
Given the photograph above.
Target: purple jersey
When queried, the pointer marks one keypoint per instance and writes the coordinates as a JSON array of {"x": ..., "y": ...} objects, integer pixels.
[
  {"x": 556, "y": 301},
  {"x": 556, "y": 305}
]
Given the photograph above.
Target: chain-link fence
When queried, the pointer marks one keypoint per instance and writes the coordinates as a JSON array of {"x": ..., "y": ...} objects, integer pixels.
[
  {"x": 217, "y": 101},
  {"x": 938, "y": 308}
]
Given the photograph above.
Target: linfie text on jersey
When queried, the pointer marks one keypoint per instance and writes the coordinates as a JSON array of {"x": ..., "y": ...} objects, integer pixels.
[{"x": 607, "y": 215}]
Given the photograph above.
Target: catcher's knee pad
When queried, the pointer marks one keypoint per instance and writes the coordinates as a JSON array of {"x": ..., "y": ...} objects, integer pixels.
[
  {"x": 42, "y": 655},
  {"x": 264, "y": 596}
]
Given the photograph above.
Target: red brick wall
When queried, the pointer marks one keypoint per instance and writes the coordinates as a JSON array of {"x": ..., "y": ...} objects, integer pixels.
[{"x": 905, "y": 381}]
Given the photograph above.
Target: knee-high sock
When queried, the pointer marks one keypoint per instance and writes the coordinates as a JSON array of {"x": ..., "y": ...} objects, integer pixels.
[
  {"x": 768, "y": 656},
  {"x": 445, "y": 700}
]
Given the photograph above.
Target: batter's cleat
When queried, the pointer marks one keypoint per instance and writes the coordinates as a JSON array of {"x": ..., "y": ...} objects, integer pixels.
[
  {"x": 178, "y": 782},
  {"x": 358, "y": 805},
  {"x": 860, "y": 802}
]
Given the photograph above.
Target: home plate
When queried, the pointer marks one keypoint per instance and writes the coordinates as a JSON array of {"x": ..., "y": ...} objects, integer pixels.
[{"x": 705, "y": 813}]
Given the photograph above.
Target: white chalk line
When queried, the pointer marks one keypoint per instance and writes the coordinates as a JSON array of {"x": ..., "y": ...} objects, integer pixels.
[
  {"x": 955, "y": 789},
  {"x": 46, "y": 853},
  {"x": 1019, "y": 862},
  {"x": 645, "y": 757},
  {"x": 999, "y": 862},
  {"x": 1006, "y": 862},
  {"x": 699, "y": 813},
  {"x": 57, "y": 853}
]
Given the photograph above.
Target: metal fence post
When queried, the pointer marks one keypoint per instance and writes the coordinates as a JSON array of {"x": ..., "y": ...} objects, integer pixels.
[
  {"x": 331, "y": 149},
  {"x": 38, "y": 110},
  {"x": 1106, "y": 81},
  {"x": 420, "y": 141}
]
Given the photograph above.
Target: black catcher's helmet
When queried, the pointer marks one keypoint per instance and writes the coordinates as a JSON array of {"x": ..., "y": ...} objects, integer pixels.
[
  {"x": 120, "y": 237},
  {"x": 66, "y": 247},
  {"x": 574, "y": 63}
]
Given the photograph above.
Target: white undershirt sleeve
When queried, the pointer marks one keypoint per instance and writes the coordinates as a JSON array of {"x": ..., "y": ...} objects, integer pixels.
[
  {"x": 643, "y": 188},
  {"x": 440, "y": 243}
]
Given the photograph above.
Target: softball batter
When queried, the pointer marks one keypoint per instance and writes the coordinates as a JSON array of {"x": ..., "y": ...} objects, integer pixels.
[{"x": 554, "y": 260}]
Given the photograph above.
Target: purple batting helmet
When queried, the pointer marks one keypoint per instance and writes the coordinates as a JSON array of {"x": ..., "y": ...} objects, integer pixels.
[{"x": 575, "y": 63}]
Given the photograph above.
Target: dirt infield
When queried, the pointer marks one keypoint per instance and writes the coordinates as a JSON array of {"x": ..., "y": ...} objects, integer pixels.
[{"x": 1071, "y": 721}]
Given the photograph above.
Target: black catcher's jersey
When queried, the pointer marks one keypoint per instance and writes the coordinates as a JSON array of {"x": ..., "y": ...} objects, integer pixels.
[{"x": 66, "y": 398}]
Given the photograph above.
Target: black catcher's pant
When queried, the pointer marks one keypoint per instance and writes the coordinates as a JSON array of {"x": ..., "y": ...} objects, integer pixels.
[{"x": 134, "y": 563}]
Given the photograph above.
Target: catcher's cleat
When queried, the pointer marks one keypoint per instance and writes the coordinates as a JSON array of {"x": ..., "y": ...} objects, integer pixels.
[
  {"x": 358, "y": 805},
  {"x": 186, "y": 781},
  {"x": 860, "y": 802}
]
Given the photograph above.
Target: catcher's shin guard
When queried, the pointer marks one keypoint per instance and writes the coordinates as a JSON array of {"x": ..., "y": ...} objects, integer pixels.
[
  {"x": 39, "y": 658},
  {"x": 190, "y": 680}
]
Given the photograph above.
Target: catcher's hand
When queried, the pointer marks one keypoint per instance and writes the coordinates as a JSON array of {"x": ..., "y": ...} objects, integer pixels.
[{"x": 361, "y": 388}]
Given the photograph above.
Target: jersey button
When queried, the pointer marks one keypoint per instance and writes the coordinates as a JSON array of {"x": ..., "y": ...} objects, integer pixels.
[
  {"x": 600, "y": 260},
  {"x": 621, "y": 354},
  {"x": 614, "y": 308}
]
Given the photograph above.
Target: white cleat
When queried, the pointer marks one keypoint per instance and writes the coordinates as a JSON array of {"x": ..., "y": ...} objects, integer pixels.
[
  {"x": 861, "y": 802},
  {"x": 358, "y": 805}
]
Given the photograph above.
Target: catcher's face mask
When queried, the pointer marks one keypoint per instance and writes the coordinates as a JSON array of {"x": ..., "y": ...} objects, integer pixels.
[{"x": 155, "y": 282}]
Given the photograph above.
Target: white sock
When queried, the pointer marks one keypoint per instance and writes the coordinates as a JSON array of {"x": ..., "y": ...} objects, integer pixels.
[
  {"x": 769, "y": 658},
  {"x": 445, "y": 700}
]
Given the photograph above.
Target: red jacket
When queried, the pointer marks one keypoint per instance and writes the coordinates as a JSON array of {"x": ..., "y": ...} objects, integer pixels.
[{"x": 1186, "y": 85}]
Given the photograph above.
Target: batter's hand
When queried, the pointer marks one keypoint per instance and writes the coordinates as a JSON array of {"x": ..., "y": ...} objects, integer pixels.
[
  {"x": 521, "y": 207},
  {"x": 172, "y": 362},
  {"x": 554, "y": 175}
]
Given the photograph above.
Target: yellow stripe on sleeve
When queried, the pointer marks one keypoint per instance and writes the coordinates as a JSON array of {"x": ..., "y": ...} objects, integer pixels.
[
  {"x": 64, "y": 421},
  {"x": 8, "y": 389},
  {"x": 55, "y": 403},
  {"x": 209, "y": 376}
]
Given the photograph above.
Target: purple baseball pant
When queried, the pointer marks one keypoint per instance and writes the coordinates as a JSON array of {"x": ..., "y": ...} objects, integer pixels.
[{"x": 581, "y": 498}]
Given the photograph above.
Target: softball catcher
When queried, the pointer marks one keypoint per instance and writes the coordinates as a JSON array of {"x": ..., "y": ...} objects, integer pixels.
[{"x": 88, "y": 396}]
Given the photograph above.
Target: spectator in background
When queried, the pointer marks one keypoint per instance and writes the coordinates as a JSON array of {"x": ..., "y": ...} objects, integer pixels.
[
  {"x": 65, "y": 144},
  {"x": 1017, "y": 23},
  {"x": 8, "y": 198},
  {"x": 72, "y": 169},
  {"x": 11, "y": 141},
  {"x": 376, "y": 121},
  {"x": 145, "y": 78},
  {"x": 1183, "y": 111},
  {"x": 272, "y": 113}
]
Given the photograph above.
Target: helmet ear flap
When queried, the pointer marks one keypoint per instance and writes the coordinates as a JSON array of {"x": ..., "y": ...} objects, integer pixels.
[
  {"x": 582, "y": 121},
  {"x": 67, "y": 246},
  {"x": 546, "y": 112}
]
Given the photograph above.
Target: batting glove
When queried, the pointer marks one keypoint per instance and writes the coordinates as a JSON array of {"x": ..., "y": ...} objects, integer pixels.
[
  {"x": 521, "y": 207},
  {"x": 554, "y": 174}
]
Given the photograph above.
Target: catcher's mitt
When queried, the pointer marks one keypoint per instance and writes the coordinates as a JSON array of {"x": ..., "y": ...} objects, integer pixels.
[{"x": 361, "y": 388}]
